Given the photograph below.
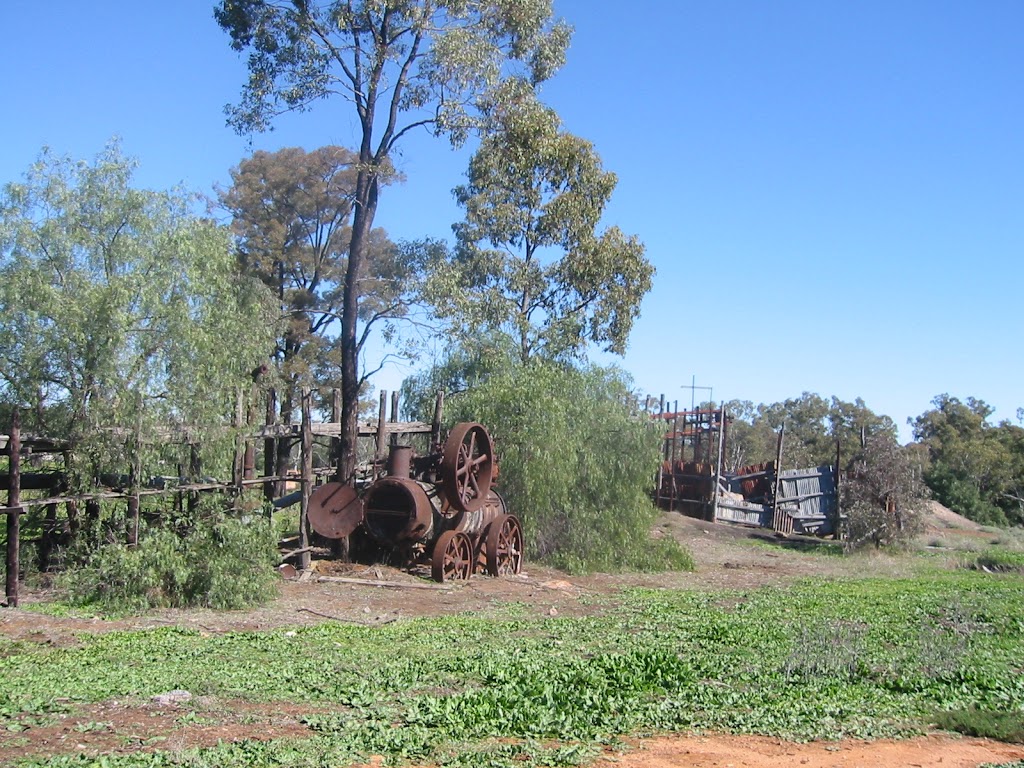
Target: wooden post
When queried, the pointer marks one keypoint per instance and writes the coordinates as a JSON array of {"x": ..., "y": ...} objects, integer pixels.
[
  {"x": 378, "y": 454},
  {"x": 195, "y": 469},
  {"x": 435, "y": 426},
  {"x": 837, "y": 519},
  {"x": 718, "y": 464},
  {"x": 14, "y": 515},
  {"x": 270, "y": 448},
  {"x": 336, "y": 441},
  {"x": 776, "y": 522},
  {"x": 134, "y": 476},
  {"x": 307, "y": 476},
  {"x": 394, "y": 416},
  {"x": 238, "y": 466}
]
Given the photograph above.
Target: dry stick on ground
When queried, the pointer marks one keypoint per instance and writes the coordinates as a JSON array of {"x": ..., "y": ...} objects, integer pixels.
[
  {"x": 348, "y": 621},
  {"x": 372, "y": 583}
]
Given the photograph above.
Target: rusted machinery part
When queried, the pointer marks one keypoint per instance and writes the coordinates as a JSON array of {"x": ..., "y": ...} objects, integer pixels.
[
  {"x": 474, "y": 524},
  {"x": 504, "y": 546},
  {"x": 467, "y": 466},
  {"x": 335, "y": 510},
  {"x": 452, "y": 558},
  {"x": 397, "y": 510}
]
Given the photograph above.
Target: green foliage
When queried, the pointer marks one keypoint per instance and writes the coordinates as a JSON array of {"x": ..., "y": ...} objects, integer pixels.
[
  {"x": 291, "y": 212},
  {"x": 530, "y": 263},
  {"x": 402, "y": 66},
  {"x": 576, "y": 464},
  {"x": 813, "y": 427},
  {"x": 866, "y": 659},
  {"x": 115, "y": 304},
  {"x": 217, "y": 562},
  {"x": 998, "y": 560},
  {"x": 975, "y": 468},
  {"x": 1001, "y": 726},
  {"x": 881, "y": 496}
]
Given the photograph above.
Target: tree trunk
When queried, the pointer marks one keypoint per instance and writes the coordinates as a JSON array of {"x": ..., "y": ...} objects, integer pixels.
[{"x": 362, "y": 221}]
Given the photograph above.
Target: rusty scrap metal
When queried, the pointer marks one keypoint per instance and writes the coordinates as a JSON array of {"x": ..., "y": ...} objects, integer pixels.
[{"x": 439, "y": 510}]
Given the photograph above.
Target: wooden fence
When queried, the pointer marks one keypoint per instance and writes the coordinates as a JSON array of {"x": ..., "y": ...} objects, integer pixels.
[{"x": 244, "y": 477}]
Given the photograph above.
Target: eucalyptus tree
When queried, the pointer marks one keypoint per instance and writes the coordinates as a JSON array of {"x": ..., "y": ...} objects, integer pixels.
[
  {"x": 291, "y": 213},
  {"x": 402, "y": 65},
  {"x": 119, "y": 307},
  {"x": 530, "y": 262}
]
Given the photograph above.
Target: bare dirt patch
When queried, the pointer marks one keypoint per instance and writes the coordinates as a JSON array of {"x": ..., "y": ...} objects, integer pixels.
[{"x": 760, "y": 752}]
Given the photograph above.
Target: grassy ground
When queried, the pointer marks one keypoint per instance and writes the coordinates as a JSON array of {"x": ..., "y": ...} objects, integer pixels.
[{"x": 812, "y": 650}]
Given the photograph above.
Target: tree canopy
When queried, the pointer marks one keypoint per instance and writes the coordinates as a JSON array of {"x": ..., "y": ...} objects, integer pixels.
[
  {"x": 974, "y": 467},
  {"x": 292, "y": 212},
  {"x": 120, "y": 306},
  {"x": 402, "y": 65},
  {"x": 577, "y": 462},
  {"x": 813, "y": 426},
  {"x": 530, "y": 262}
]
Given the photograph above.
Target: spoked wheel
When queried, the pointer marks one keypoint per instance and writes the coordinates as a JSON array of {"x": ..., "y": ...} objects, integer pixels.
[
  {"x": 467, "y": 466},
  {"x": 505, "y": 546},
  {"x": 452, "y": 558}
]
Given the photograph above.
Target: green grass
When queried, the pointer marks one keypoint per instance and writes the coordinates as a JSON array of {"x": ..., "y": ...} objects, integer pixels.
[
  {"x": 1002, "y": 726},
  {"x": 998, "y": 560},
  {"x": 821, "y": 660}
]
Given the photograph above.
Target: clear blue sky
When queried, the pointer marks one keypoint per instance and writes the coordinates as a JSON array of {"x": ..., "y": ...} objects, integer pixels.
[{"x": 832, "y": 192}]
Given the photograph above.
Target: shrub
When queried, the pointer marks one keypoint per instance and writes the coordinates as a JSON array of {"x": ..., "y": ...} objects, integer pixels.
[
  {"x": 577, "y": 463},
  {"x": 881, "y": 496},
  {"x": 221, "y": 563}
]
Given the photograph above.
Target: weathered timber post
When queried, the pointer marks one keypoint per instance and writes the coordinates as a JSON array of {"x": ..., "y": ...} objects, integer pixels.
[
  {"x": 718, "y": 464},
  {"x": 672, "y": 462},
  {"x": 837, "y": 514},
  {"x": 307, "y": 476},
  {"x": 435, "y": 426},
  {"x": 270, "y": 448},
  {"x": 378, "y": 453},
  {"x": 394, "y": 416},
  {"x": 776, "y": 519},
  {"x": 195, "y": 469},
  {"x": 336, "y": 439},
  {"x": 14, "y": 511},
  {"x": 339, "y": 547},
  {"x": 238, "y": 465},
  {"x": 134, "y": 475}
]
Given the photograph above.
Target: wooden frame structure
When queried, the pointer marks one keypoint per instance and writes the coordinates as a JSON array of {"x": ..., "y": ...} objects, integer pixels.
[{"x": 244, "y": 477}]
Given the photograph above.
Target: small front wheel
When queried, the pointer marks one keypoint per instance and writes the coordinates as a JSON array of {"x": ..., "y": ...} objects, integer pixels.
[
  {"x": 505, "y": 546},
  {"x": 452, "y": 558}
]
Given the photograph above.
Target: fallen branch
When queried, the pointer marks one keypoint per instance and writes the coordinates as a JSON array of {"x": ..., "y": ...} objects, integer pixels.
[{"x": 373, "y": 583}]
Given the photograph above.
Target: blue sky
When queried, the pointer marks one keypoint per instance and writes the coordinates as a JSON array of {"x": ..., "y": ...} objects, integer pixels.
[{"x": 831, "y": 192}]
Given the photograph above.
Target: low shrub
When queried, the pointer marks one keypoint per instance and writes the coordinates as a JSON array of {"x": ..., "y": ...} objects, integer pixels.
[
  {"x": 1001, "y": 726},
  {"x": 577, "y": 465},
  {"x": 220, "y": 563}
]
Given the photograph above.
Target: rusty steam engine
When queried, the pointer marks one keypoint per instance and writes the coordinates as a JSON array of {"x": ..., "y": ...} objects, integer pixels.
[{"x": 439, "y": 509}]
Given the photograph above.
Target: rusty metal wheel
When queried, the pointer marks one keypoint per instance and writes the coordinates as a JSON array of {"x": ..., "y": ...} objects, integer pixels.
[
  {"x": 452, "y": 558},
  {"x": 505, "y": 546},
  {"x": 467, "y": 466}
]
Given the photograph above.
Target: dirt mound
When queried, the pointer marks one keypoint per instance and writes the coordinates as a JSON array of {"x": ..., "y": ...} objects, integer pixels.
[{"x": 940, "y": 518}]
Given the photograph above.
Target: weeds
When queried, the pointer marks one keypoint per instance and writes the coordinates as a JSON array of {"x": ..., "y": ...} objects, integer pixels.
[
  {"x": 222, "y": 563},
  {"x": 819, "y": 660}
]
